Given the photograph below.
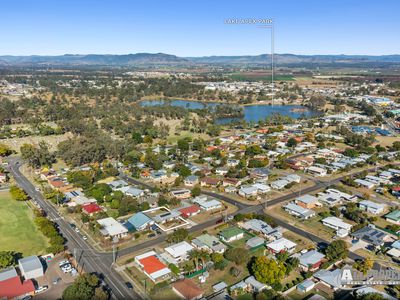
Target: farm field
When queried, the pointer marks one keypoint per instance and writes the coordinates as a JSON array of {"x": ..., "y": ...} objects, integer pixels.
[{"x": 17, "y": 230}]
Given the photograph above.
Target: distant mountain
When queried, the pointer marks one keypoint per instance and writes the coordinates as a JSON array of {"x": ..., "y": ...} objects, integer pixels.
[
  {"x": 152, "y": 59},
  {"x": 96, "y": 59}
]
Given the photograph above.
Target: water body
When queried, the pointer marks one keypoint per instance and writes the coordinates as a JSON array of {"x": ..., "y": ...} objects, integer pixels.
[{"x": 252, "y": 113}]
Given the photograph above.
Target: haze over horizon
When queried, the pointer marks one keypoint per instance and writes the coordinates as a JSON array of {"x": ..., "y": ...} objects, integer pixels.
[{"x": 185, "y": 29}]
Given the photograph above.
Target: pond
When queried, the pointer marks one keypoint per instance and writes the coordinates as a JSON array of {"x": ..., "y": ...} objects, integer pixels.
[{"x": 252, "y": 113}]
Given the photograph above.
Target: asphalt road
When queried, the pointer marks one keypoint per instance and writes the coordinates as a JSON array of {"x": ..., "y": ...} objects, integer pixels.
[{"x": 90, "y": 259}]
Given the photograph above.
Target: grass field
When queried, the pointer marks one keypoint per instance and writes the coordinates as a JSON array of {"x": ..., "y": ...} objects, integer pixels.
[{"x": 17, "y": 230}]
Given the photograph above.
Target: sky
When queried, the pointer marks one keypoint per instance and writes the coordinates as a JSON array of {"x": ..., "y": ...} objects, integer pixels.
[{"x": 198, "y": 27}]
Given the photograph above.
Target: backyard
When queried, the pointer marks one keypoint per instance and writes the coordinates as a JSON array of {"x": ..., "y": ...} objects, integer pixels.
[{"x": 17, "y": 229}]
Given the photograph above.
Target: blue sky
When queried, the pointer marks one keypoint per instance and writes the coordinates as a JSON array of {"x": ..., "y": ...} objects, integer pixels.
[{"x": 196, "y": 28}]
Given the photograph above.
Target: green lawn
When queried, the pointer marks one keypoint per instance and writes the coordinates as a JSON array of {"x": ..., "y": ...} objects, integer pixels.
[{"x": 17, "y": 229}]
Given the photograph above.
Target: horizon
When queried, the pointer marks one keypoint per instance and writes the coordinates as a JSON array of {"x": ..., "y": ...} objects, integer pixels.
[{"x": 49, "y": 28}]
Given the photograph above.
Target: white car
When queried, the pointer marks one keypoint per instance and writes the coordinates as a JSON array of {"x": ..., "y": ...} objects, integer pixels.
[
  {"x": 84, "y": 237},
  {"x": 76, "y": 229},
  {"x": 37, "y": 189},
  {"x": 41, "y": 289},
  {"x": 67, "y": 270},
  {"x": 64, "y": 262}
]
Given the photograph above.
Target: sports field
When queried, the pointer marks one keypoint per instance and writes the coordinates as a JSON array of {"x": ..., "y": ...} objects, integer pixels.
[{"x": 17, "y": 229}]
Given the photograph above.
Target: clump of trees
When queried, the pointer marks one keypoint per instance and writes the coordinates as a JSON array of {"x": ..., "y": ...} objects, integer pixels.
[
  {"x": 18, "y": 193},
  {"x": 49, "y": 230},
  {"x": 86, "y": 286},
  {"x": 37, "y": 156},
  {"x": 268, "y": 270}
]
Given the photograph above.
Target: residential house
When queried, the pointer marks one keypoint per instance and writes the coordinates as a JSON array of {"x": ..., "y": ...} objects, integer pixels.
[
  {"x": 166, "y": 216},
  {"x": 91, "y": 208},
  {"x": 317, "y": 171},
  {"x": 231, "y": 234},
  {"x": 393, "y": 217},
  {"x": 180, "y": 252},
  {"x": 305, "y": 286},
  {"x": 191, "y": 180},
  {"x": 372, "y": 235},
  {"x": 342, "y": 228},
  {"x": 307, "y": 201},
  {"x": 331, "y": 278},
  {"x": 372, "y": 207},
  {"x": 365, "y": 183},
  {"x": 131, "y": 191},
  {"x": 279, "y": 184},
  {"x": 261, "y": 227},
  {"x": 299, "y": 211},
  {"x": 209, "y": 243},
  {"x": 139, "y": 222},
  {"x": 248, "y": 191},
  {"x": 231, "y": 182},
  {"x": 152, "y": 266},
  {"x": 181, "y": 194},
  {"x": 207, "y": 204},
  {"x": 209, "y": 181},
  {"x": 281, "y": 245},
  {"x": 112, "y": 228},
  {"x": 311, "y": 260},
  {"x": 187, "y": 289},
  {"x": 189, "y": 211}
]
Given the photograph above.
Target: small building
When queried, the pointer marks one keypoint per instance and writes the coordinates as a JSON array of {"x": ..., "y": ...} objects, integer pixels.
[
  {"x": 331, "y": 279},
  {"x": 180, "y": 251},
  {"x": 299, "y": 211},
  {"x": 153, "y": 268},
  {"x": 131, "y": 191},
  {"x": 259, "y": 226},
  {"x": 209, "y": 181},
  {"x": 248, "y": 191},
  {"x": 305, "y": 286},
  {"x": 31, "y": 267},
  {"x": 311, "y": 260},
  {"x": 372, "y": 207},
  {"x": 187, "y": 289},
  {"x": 279, "y": 184},
  {"x": 255, "y": 242},
  {"x": 281, "y": 245},
  {"x": 231, "y": 234},
  {"x": 393, "y": 217},
  {"x": 254, "y": 285},
  {"x": 112, "y": 228}
]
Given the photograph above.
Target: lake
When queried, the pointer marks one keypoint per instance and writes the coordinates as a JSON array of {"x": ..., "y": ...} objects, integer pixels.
[{"x": 252, "y": 113}]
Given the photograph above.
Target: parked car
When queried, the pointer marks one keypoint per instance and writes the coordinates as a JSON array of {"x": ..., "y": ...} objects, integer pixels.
[
  {"x": 84, "y": 237},
  {"x": 41, "y": 289},
  {"x": 129, "y": 285},
  {"x": 55, "y": 281},
  {"x": 64, "y": 262}
]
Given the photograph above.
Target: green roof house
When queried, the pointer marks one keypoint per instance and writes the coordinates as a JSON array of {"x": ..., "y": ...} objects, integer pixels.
[
  {"x": 231, "y": 234},
  {"x": 393, "y": 217}
]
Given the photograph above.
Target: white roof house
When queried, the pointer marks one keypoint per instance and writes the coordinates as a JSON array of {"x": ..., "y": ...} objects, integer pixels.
[
  {"x": 262, "y": 188},
  {"x": 31, "y": 267},
  {"x": 365, "y": 183},
  {"x": 111, "y": 227},
  {"x": 279, "y": 184},
  {"x": 299, "y": 211},
  {"x": 207, "y": 204},
  {"x": 317, "y": 171},
  {"x": 248, "y": 191},
  {"x": 281, "y": 245},
  {"x": 179, "y": 251},
  {"x": 372, "y": 207},
  {"x": 342, "y": 228}
]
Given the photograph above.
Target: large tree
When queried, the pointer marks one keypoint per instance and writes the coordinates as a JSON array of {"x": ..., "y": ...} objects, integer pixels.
[
  {"x": 268, "y": 270},
  {"x": 337, "y": 250}
]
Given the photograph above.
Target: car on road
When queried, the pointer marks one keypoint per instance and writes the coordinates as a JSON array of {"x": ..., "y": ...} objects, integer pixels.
[
  {"x": 129, "y": 285},
  {"x": 151, "y": 235},
  {"x": 84, "y": 238},
  {"x": 37, "y": 189},
  {"x": 76, "y": 229}
]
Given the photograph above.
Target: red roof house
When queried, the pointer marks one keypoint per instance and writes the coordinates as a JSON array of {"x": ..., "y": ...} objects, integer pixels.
[
  {"x": 91, "y": 208},
  {"x": 189, "y": 211}
]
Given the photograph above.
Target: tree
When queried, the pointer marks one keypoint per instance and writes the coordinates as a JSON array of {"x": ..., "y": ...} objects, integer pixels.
[
  {"x": 337, "y": 250},
  {"x": 178, "y": 235},
  {"x": 237, "y": 255},
  {"x": 7, "y": 259},
  {"x": 37, "y": 156},
  {"x": 268, "y": 270},
  {"x": 195, "y": 255},
  {"x": 196, "y": 191},
  {"x": 291, "y": 143},
  {"x": 18, "y": 194},
  {"x": 5, "y": 150},
  {"x": 364, "y": 265}
]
